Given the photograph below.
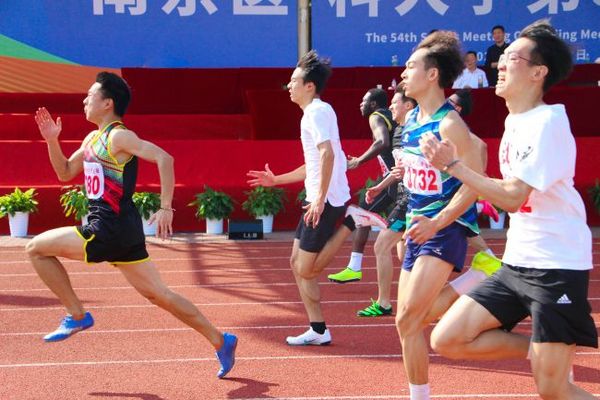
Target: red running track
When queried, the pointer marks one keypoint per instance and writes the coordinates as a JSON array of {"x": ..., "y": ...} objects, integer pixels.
[{"x": 136, "y": 351}]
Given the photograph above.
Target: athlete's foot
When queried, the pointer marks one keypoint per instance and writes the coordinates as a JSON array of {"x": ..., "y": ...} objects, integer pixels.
[
  {"x": 363, "y": 217},
  {"x": 69, "y": 326},
  {"x": 345, "y": 275},
  {"x": 226, "y": 354},
  {"x": 486, "y": 263},
  {"x": 310, "y": 338},
  {"x": 374, "y": 310}
]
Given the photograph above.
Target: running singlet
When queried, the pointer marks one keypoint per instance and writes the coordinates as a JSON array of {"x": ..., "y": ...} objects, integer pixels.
[
  {"x": 430, "y": 189},
  {"x": 106, "y": 181},
  {"x": 385, "y": 158}
]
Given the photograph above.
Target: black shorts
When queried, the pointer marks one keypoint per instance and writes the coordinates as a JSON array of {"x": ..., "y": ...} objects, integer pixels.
[
  {"x": 383, "y": 201},
  {"x": 556, "y": 300},
  {"x": 117, "y": 239},
  {"x": 313, "y": 239}
]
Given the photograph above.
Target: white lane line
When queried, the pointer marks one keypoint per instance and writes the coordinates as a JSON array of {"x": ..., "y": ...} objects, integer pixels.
[
  {"x": 405, "y": 396},
  {"x": 227, "y": 328},
  {"x": 241, "y": 303},
  {"x": 204, "y": 359}
]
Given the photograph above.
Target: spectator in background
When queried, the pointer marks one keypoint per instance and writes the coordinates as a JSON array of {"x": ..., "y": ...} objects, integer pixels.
[
  {"x": 493, "y": 54},
  {"x": 471, "y": 77}
]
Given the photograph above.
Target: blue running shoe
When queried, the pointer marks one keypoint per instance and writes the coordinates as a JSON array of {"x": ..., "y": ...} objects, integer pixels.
[
  {"x": 69, "y": 326},
  {"x": 226, "y": 355}
]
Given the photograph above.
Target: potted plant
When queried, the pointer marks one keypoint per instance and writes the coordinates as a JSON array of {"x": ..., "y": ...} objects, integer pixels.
[
  {"x": 18, "y": 205},
  {"x": 213, "y": 206},
  {"x": 147, "y": 203},
  {"x": 264, "y": 203},
  {"x": 595, "y": 195},
  {"x": 75, "y": 202}
]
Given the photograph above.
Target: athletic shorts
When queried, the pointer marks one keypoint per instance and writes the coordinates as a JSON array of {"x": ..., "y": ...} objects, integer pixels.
[
  {"x": 382, "y": 201},
  {"x": 313, "y": 239},
  {"x": 449, "y": 244},
  {"x": 117, "y": 239},
  {"x": 556, "y": 300}
]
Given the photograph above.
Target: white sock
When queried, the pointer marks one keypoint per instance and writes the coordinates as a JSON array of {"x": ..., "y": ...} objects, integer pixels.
[
  {"x": 490, "y": 252},
  {"x": 467, "y": 281},
  {"x": 355, "y": 263},
  {"x": 419, "y": 392}
]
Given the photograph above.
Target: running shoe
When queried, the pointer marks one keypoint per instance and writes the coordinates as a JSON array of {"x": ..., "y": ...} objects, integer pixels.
[
  {"x": 374, "y": 310},
  {"x": 226, "y": 354},
  {"x": 486, "y": 208},
  {"x": 69, "y": 326},
  {"x": 363, "y": 217},
  {"x": 310, "y": 338},
  {"x": 345, "y": 275},
  {"x": 486, "y": 263}
]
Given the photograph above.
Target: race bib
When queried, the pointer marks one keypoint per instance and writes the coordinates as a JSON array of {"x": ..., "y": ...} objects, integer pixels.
[
  {"x": 420, "y": 177},
  {"x": 94, "y": 179},
  {"x": 384, "y": 168}
]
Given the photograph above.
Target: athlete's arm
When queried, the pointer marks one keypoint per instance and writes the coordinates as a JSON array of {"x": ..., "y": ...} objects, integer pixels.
[
  {"x": 381, "y": 141},
  {"x": 268, "y": 178},
  {"x": 124, "y": 143},
  {"x": 482, "y": 148},
  {"x": 326, "y": 160},
  {"x": 509, "y": 194},
  {"x": 65, "y": 168}
]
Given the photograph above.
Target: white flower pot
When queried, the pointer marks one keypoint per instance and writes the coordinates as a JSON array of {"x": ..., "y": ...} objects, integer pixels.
[
  {"x": 267, "y": 223},
  {"x": 500, "y": 223},
  {"x": 18, "y": 224},
  {"x": 214, "y": 226},
  {"x": 149, "y": 230},
  {"x": 375, "y": 228}
]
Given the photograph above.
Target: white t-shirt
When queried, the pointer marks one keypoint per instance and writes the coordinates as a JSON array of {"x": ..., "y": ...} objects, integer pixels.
[
  {"x": 318, "y": 125},
  {"x": 470, "y": 79},
  {"x": 549, "y": 231}
]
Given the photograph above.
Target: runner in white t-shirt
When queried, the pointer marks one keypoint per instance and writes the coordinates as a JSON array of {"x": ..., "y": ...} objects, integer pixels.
[
  {"x": 327, "y": 191},
  {"x": 547, "y": 262}
]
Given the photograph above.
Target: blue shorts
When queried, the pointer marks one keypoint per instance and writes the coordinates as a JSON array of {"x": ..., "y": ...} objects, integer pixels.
[{"x": 449, "y": 244}]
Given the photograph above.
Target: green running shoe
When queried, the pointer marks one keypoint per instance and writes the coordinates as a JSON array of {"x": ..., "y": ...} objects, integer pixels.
[
  {"x": 486, "y": 263},
  {"x": 345, "y": 275},
  {"x": 374, "y": 310}
]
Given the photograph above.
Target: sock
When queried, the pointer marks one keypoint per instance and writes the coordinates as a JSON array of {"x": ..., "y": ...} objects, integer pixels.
[
  {"x": 349, "y": 222},
  {"x": 355, "y": 263},
  {"x": 318, "y": 327},
  {"x": 467, "y": 281},
  {"x": 419, "y": 392},
  {"x": 490, "y": 252}
]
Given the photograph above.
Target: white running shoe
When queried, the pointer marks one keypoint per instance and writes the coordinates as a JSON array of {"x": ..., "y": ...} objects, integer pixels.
[
  {"x": 363, "y": 217},
  {"x": 310, "y": 338}
]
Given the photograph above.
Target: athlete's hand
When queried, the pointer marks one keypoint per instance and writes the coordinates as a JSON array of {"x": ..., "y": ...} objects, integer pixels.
[
  {"x": 312, "y": 216},
  {"x": 371, "y": 193},
  {"x": 397, "y": 172},
  {"x": 264, "y": 178},
  {"x": 164, "y": 223},
  {"x": 48, "y": 128},
  {"x": 352, "y": 162},
  {"x": 439, "y": 154},
  {"x": 422, "y": 229}
]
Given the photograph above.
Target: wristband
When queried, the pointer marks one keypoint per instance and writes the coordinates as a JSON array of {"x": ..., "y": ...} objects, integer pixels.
[
  {"x": 450, "y": 165},
  {"x": 167, "y": 209}
]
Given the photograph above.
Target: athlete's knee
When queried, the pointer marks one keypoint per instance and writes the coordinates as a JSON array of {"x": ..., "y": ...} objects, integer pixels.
[
  {"x": 33, "y": 248},
  {"x": 409, "y": 320},
  {"x": 446, "y": 343},
  {"x": 382, "y": 247},
  {"x": 549, "y": 386},
  {"x": 158, "y": 295}
]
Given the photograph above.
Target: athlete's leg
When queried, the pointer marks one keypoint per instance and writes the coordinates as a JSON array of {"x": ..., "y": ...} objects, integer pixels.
[
  {"x": 302, "y": 263},
  {"x": 329, "y": 251},
  {"x": 469, "y": 331},
  {"x": 361, "y": 236},
  {"x": 418, "y": 293},
  {"x": 386, "y": 241},
  {"x": 550, "y": 364},
  {"x": 479, "y": 244},
  {"x": 144, "y": 277},
  {"x": 43, "y": 251}
]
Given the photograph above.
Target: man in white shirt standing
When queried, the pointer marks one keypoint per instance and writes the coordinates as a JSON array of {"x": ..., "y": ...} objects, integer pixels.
[
  {"x": 324, "y": 174},
  {"x": 471, "y": 77},
  {"x": 548, "y": 256}
]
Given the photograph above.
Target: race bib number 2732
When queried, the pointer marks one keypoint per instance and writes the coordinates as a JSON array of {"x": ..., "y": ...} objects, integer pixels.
[{"x": 420, "y": 177}]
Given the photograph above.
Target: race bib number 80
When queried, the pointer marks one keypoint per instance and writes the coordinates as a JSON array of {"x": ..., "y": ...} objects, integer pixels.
[
  {"x": 94, "y": 179},
  {"x": 420, "y": 177}
]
